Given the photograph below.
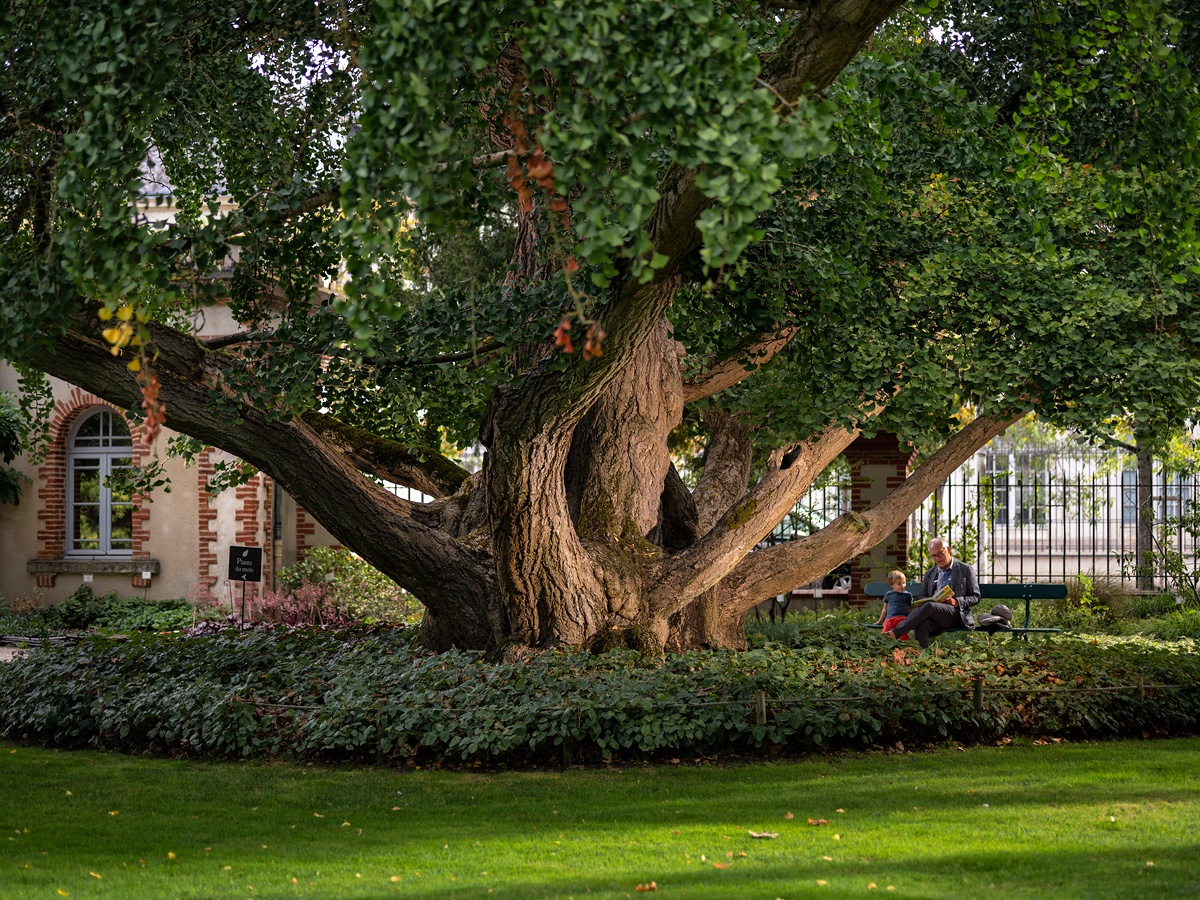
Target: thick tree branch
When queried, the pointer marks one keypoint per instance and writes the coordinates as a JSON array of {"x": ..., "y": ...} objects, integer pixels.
[
  {"x": 238, "y": 337},
  {"x": 790, "y": 472},
  {"x": 725, "y": 373},
  {"x": 766, "y": 573},
  {"x": 726, "y": 467},
  {"x": 396, "y": 536},
  {"x": 426, "y": 470}
]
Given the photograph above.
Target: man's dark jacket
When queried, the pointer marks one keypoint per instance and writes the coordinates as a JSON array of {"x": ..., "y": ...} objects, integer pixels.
[{"x": 964, "y": 584}]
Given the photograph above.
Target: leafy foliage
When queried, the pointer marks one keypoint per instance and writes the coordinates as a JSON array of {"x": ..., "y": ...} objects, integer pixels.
[
  {"x": 85, "y": 611},
  {"x": 357, "y": 693},
  {"x": 11, "y": 480}
]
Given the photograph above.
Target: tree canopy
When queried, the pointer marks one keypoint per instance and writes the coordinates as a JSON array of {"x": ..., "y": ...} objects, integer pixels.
[{"x": 589, "y": 235}]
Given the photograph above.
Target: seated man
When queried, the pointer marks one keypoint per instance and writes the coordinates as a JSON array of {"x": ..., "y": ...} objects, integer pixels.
[{"x": 932, "y": 618}]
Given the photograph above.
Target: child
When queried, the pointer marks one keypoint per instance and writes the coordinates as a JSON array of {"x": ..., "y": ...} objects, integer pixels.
[{"x": 897, "y": 604}]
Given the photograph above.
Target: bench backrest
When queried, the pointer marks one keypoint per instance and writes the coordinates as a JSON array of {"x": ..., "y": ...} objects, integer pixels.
[{"x": 993, "y": 590}]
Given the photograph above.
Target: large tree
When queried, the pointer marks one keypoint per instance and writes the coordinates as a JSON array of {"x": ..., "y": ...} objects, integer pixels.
[{"x": 592, "y": 234}]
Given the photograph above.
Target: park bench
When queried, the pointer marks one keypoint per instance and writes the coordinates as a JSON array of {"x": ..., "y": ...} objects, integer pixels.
[{"x": 998, "y": 591}]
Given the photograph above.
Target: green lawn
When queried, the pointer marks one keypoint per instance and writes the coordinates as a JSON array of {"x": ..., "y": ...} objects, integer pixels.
[{"x": 1116, "y": 819}]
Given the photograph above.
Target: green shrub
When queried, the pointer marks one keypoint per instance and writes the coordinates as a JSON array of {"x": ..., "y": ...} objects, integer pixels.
[
  {"x": 1151, "y": 606},
  {"x": 84, "y": 611},
  {"x": 1176, "y": 625},
  {"x": 353, "y": 585},
  {"x": 373, "y": 693}
]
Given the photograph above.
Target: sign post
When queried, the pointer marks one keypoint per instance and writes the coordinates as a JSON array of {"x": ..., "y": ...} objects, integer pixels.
[{"x": 245, "y": 564}]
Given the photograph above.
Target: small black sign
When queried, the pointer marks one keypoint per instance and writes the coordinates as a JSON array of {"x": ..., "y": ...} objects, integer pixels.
[{"x": 245, "y": 563}]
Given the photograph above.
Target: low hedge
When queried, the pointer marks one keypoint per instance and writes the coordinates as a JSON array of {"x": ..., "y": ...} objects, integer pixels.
[{"x": 372, "y": 694}]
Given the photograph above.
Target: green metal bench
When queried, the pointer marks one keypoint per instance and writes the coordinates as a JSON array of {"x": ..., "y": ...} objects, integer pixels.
[{"x": 999, "y": 591}]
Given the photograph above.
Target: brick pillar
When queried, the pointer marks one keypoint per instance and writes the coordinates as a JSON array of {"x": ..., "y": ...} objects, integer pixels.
[
  {"x": 877, "y": 466},
  {"x": 206, "y": 526}
]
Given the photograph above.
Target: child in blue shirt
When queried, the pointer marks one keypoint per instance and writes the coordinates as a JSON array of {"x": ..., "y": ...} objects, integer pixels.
[{"x": 897, "y": 604}]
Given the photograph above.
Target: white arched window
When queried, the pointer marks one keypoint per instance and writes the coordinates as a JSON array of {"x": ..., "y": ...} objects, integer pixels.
[{"x": 99, "y": 518}]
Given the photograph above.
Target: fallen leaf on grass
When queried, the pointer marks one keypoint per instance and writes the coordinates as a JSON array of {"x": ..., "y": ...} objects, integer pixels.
[
  {"x": 647, "y": 887},
  {"x": 822, "y": 881},
  {"x": 113, "y": 812},
  {"x": 718, "y": 865},
  {"x": 818, "y": 821},
  {"x": 871, "y": 886},
  {"x": 170, "y": 855},
  {"x": 94, "y": 875},
  {"x": 827, "y": 858},
  {"x": 789, "y": 816},
  {"x": 763, "y": 835}
]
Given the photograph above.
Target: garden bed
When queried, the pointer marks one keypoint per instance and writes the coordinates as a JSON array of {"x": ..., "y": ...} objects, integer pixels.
[{"x": 371, "y": 694}]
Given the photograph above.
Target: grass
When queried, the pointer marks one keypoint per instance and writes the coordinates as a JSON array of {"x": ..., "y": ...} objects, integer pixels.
[{"x": 1085, "y": 820}]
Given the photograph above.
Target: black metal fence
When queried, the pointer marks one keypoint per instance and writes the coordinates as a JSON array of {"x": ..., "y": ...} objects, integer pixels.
[
  {"x": 1046, "y": 512},
  {"x": 1038, "y": 511}
]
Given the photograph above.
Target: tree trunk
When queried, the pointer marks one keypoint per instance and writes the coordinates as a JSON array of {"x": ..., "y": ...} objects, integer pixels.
[{"x": 1144, "y": 541}]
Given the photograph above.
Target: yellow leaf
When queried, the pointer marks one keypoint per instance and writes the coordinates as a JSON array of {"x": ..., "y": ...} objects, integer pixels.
[
  {"x": 63, "y": 893},
  {"x": 105, "y": 314},
  {"x": 822, "y": 882},
  {"x": 394, "y": 878},
  {"x": 94, "y": 875},
  {"x": 134, "y": 365},
  {"x": 318, "y": 816},
  {"x": 170, "y": 855},
  {"x": 113, "y": 812},
  {"x": 125, "y": 313},
  {"x": 871, "y": 886}
]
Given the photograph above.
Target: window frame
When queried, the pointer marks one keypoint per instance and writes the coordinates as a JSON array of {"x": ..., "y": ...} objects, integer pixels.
[{"x": 108, "y": 448}]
